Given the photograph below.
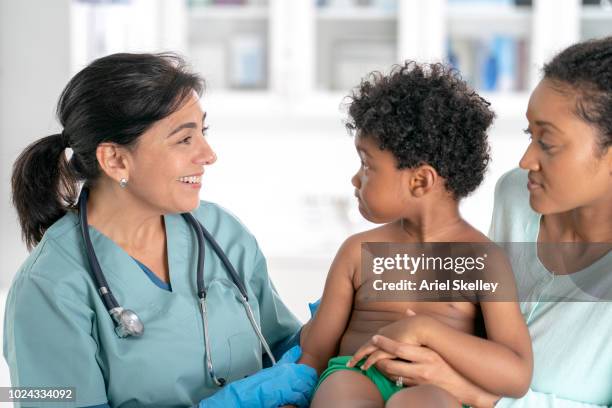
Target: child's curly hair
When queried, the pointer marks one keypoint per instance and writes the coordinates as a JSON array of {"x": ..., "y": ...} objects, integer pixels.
[{"x": 426, "y": 114}]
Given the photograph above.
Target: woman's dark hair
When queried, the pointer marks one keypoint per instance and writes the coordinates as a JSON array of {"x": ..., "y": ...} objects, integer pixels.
[
  {"x": 586, "y": 69},
  {"x": 426, "y": 114},
  {"x": 114, "y": 99}
]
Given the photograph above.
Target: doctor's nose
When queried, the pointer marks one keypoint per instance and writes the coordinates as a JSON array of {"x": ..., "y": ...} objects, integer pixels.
[{"x": 206, "y": 154}]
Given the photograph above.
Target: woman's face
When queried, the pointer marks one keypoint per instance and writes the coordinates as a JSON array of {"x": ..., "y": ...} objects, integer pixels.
[
  {"x": 566, "y": 168},
  {"x": 167, "y": 164}
]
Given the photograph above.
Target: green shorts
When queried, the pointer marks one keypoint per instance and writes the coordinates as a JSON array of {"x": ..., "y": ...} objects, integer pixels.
[{"x": 385, "y": 386}]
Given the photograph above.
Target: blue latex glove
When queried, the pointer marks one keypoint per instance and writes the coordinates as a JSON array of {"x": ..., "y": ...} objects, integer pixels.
[
  {"x": 283, "y": 384},
  {"x": 314, "y": 307}
]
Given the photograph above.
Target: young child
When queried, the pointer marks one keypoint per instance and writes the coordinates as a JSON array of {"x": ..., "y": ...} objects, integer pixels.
[{"x": 421, "y": 135}]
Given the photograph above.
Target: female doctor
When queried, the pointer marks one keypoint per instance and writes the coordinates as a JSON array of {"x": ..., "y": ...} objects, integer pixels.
[{"x": 136, "y": 293}]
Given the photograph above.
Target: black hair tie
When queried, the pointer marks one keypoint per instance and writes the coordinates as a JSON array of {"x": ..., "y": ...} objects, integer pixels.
[{"x": 65, "y": 139}]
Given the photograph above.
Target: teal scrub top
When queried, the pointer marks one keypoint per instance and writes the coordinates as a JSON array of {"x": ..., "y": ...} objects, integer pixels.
[{"x": 58, "y": 333}]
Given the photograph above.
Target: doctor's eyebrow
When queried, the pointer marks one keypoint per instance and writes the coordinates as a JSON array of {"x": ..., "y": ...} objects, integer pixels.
[{"x": 188, "y": 125}]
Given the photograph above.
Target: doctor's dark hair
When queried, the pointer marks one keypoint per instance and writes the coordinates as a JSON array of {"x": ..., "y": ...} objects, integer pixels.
[
  {"x": 585, "y": 70},
  {"x": 114, "y": 99},
  {"x": 426, "y": 114}
]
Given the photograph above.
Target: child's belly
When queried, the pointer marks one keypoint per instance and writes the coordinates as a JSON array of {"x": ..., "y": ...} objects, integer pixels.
[{"x": 367, "y": 318}]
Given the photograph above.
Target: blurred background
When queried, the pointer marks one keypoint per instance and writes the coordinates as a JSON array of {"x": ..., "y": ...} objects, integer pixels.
[{"x": 277, "y": 73}]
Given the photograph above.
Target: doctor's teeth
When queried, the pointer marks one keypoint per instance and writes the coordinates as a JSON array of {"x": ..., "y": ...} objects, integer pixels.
[{"x": 190, "y": 180}]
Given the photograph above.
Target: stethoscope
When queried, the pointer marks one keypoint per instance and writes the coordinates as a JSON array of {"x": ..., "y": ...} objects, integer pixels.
[{"x": 127, "y": 323}]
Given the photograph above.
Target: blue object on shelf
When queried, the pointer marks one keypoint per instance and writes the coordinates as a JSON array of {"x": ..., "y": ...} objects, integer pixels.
[{"x": 489, "y": 70}]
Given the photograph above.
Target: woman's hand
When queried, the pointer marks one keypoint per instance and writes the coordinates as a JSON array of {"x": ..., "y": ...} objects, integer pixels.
[
  {"x": 411, "y": 330},
  {"x": 420, "y": 365}
]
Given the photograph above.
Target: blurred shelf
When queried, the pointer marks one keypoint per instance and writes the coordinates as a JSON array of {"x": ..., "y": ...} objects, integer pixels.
[
  {"x": 596, "y": 13},
  {"x": 229, "y": 12},
  {"x": 322, "y": 106},
  {"x": 355, "y": 14},
  {"x": 476, "y": 20}
]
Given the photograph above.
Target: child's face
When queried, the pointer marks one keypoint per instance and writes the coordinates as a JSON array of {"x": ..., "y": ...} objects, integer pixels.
[
  {"x": 565, "y": 171},
  {"x": 379, "y": 184}
]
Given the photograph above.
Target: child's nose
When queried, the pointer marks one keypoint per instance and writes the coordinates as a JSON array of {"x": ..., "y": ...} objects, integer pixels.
[{"x": 356, "y": 181}]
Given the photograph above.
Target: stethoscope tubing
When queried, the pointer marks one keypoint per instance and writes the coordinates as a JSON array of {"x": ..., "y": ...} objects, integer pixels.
[{"x": 202, "y": 235}]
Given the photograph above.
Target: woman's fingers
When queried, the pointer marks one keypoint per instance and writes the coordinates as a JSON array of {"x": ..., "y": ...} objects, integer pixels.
[
  {"x": 401, "y": 350},
  {"x": 395, "y": 368},
  {"x": 361, "y": 353},
  {"x": 376, "y": 357}
]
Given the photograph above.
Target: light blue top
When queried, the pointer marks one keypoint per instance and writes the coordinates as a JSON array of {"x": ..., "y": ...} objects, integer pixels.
[
  {"x": 572, "y": 341},
  {"x": 58, "y": 333}
]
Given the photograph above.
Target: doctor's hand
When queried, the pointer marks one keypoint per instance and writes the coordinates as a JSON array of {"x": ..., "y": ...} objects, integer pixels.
[{"x": 282, "y": 384}]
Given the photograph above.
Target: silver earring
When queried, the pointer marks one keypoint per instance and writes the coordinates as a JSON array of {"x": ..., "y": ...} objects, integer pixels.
[{"x": 123, "y": 183}]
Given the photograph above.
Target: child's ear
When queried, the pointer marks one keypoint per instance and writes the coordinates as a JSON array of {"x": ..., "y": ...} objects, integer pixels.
[{"x": 423, "y": 179}]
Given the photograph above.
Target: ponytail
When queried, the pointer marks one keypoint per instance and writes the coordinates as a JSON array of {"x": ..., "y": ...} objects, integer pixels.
[{"x": 44, "y": 187}]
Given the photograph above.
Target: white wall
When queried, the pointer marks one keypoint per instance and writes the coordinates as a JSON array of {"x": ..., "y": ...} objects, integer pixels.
[
  {"x": 35, "y": 60},
  {"x": 34, "y": 66}
]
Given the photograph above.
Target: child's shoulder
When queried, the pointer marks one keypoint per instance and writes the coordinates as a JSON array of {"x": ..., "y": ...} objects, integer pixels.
[
  {"x": 382, "y": 233},
  {"x": 352, "y": 245},
  {"x": 469, "y": 233}
]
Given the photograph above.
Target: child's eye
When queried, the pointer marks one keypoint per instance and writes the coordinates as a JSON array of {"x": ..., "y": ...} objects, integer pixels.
[{"x": 527, "y": 131}]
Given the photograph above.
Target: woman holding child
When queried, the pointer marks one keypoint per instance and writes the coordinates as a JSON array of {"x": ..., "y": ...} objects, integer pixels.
[{"x": 561, "y": 194}]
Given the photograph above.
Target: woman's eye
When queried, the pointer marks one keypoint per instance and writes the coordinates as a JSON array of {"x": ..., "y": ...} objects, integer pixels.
[
  {"x": 527, "y": 131},
  {"x": 186, "y": 140},
  {"x": 544, "y": 146},
  {"x": 205, "y": 130}
]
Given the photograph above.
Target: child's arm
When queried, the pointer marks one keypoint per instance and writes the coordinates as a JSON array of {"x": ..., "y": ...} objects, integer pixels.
[
  {"x": 320, "y": 340},
  {"x": 501, "y": 364}
]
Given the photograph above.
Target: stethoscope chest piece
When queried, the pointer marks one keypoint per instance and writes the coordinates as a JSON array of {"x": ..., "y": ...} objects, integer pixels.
[{"x": 128, "y": 323}]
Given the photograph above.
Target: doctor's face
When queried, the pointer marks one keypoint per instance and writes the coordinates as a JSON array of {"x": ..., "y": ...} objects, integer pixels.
[
  {"x": 169, "y": 160},
  {"x": 567, "y": 168}
]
